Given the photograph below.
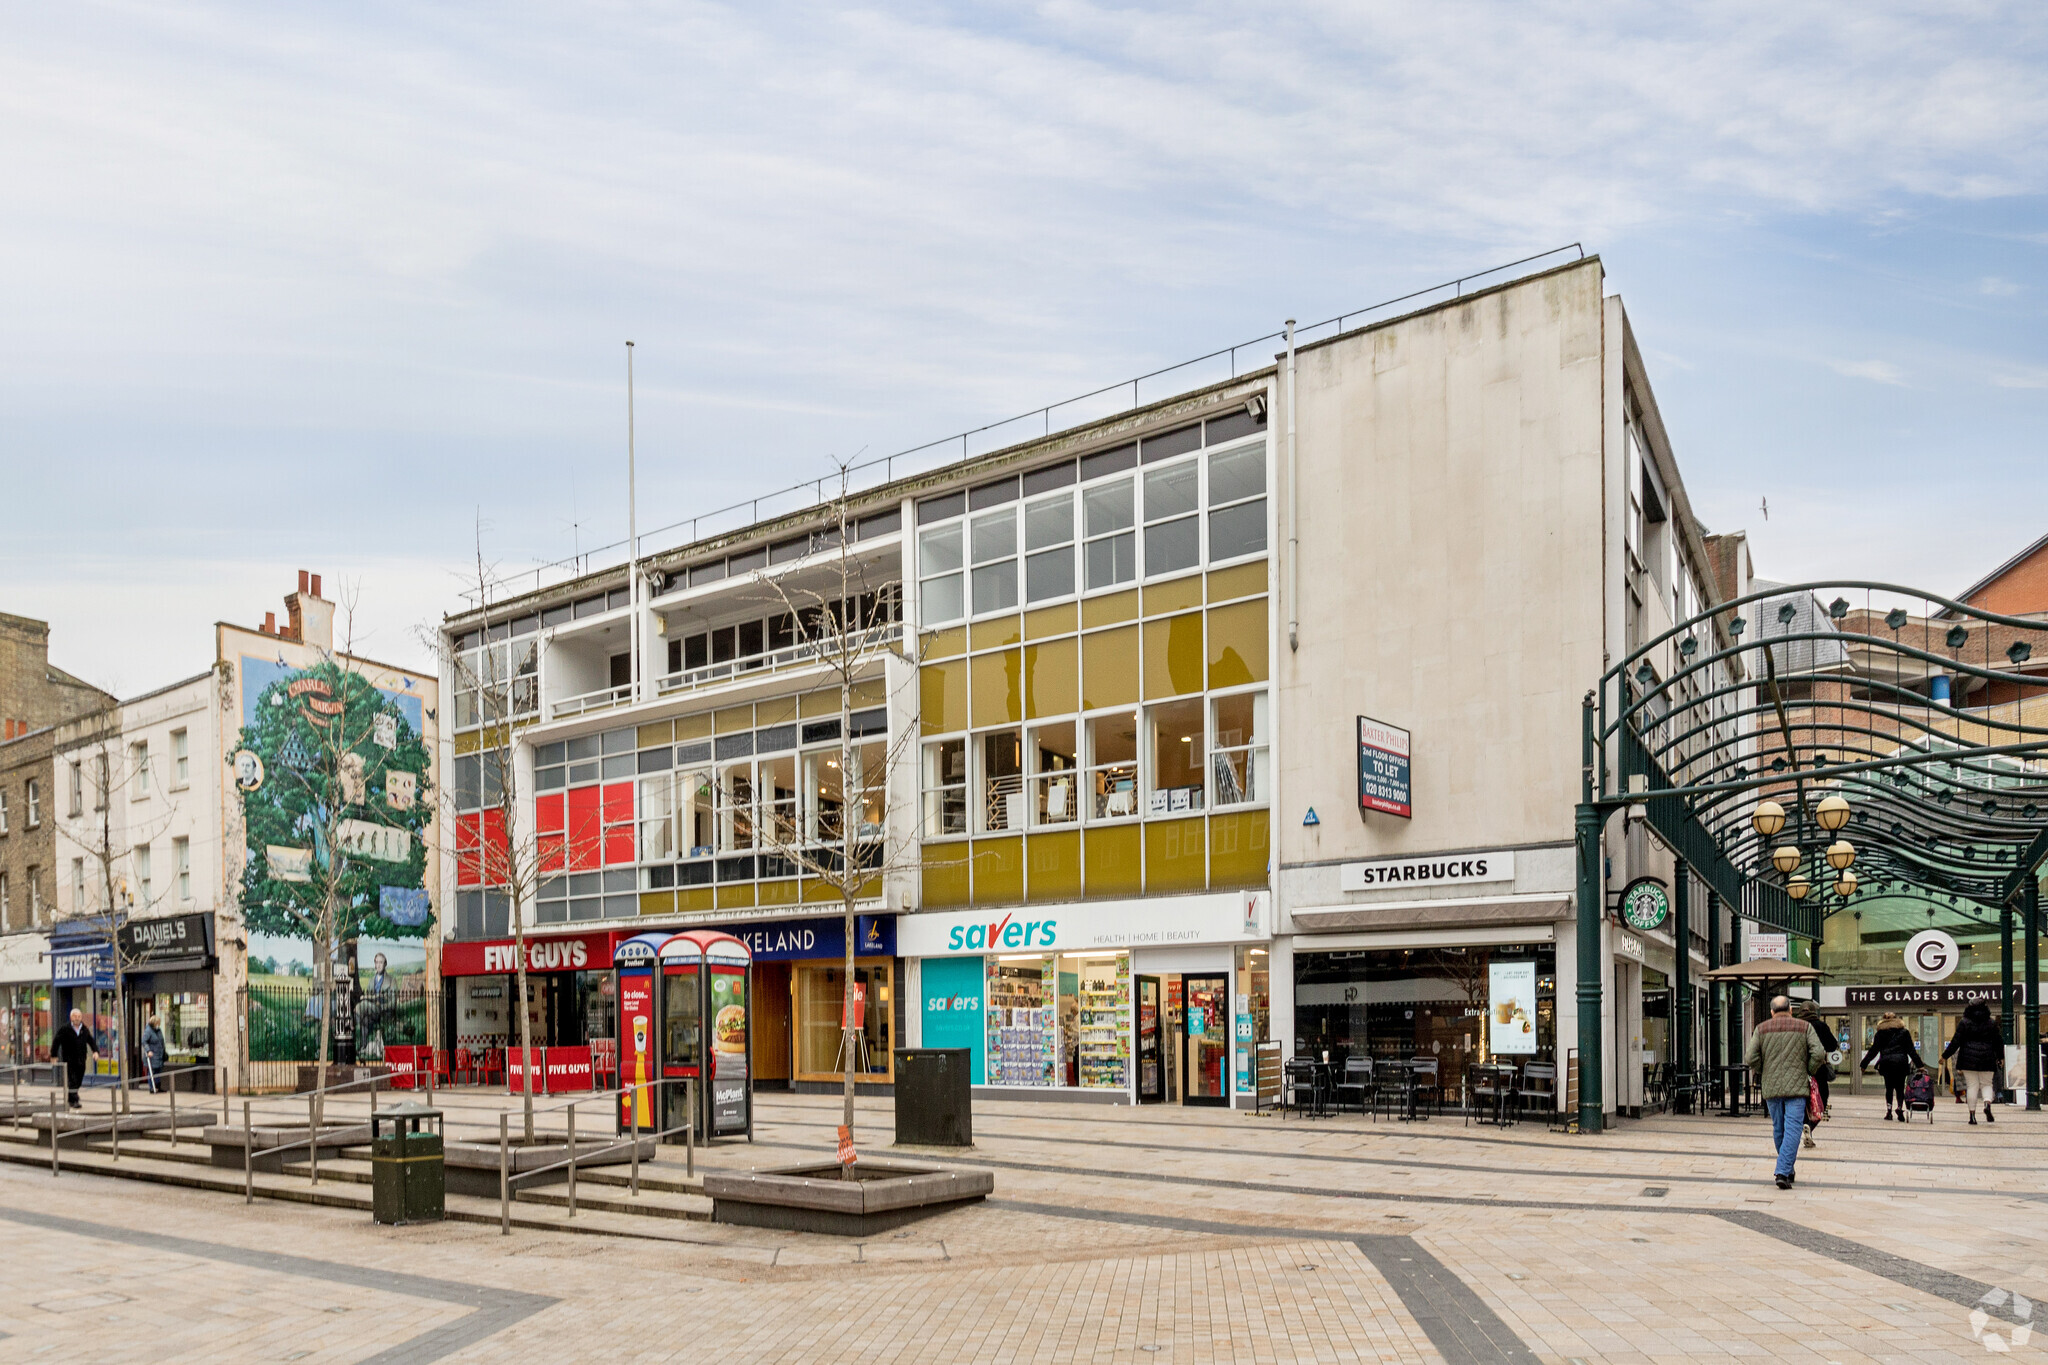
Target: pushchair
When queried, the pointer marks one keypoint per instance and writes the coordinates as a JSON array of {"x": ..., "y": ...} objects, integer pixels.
[{"x": 1920, "y": 1093}]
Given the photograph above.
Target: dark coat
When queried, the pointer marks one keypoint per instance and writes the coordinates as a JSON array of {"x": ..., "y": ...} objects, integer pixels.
[
  {"x": 1977, "y": 1044},
  {"x": 1894, "y": 1050},
  {"x": 69, "y": 1046},
  {"x": 154, "y": 1048}
]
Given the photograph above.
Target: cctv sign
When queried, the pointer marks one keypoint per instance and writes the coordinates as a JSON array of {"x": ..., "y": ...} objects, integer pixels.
[{"x": 1931, "y": 955}]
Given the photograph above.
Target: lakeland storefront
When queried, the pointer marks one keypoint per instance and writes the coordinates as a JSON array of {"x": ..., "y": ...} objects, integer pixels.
[{"x": 1148, "y": 1001}]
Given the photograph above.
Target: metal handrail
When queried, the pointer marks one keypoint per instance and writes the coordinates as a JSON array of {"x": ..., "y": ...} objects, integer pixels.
[
  {"x": 580, "y": 563},
  {"x": 689, "y": 679},
  {"x": 506, "y": 1178}
]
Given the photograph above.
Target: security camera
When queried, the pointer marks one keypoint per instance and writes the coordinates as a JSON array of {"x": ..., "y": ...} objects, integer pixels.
[{"x": 1256, "y": 406}]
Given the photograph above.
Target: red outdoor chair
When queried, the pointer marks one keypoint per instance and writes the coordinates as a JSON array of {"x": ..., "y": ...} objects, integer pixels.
[{"x": 464, "y": 1066}]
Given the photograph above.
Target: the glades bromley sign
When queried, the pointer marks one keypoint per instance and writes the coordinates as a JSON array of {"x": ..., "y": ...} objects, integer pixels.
[{"x": 1383, "y": 769}]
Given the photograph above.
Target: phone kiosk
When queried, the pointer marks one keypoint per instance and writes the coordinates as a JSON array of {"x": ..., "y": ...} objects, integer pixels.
[{"x": 683, "y": 1016}]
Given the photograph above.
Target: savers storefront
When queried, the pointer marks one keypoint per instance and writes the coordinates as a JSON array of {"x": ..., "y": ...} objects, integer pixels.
[{"x": 1147, "y": 1001}]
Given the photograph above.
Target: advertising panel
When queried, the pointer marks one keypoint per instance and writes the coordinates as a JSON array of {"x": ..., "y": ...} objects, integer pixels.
[
  {"x": 1511, "y": 1008},
  {"x": 952, "y": 1008},
  {"x": 636, "y": 1027},
  {"x": 728, "y": 1050}
]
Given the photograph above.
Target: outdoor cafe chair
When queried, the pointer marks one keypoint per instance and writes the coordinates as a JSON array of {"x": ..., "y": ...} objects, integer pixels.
[
  {"x": 1538, "y": 1090},
  {"x": 1357, "y": 1080}
]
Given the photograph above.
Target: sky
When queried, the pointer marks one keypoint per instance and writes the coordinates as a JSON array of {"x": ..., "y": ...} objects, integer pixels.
[{"x": 346, "y": 288}]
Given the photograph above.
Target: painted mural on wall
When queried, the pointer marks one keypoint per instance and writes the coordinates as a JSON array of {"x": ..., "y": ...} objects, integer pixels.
[{"x": 314, "y": 739}]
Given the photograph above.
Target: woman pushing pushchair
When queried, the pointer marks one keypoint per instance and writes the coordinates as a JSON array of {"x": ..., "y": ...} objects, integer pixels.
[{"x": 1897, "y": 1058}]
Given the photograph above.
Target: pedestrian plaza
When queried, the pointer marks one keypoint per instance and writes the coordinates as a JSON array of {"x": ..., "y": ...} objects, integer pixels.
[{"x": 1113, "y": 1234}]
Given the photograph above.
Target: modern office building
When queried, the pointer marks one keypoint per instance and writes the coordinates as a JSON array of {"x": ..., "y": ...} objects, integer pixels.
[{"x": 1239, "y": 724}]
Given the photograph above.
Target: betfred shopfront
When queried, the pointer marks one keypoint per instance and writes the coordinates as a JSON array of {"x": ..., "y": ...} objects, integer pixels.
[
  {"x": 798, "y": 984},
  {"x": 1161, "y": 1000}
]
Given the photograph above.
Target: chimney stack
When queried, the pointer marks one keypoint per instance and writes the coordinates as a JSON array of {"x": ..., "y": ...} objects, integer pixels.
[
  {"x": 312, "y": 616},
  {"x": 316, "y": 585},
  {"x": 303, "y": 585},
  {"x": 270, "y": 623}
]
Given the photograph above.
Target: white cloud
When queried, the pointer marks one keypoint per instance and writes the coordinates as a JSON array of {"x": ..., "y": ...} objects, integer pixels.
[
  {"x": 1993, "y": 286},
  {"x": 1876, "y": 371},
  {"x": 2022, "y": 379}
]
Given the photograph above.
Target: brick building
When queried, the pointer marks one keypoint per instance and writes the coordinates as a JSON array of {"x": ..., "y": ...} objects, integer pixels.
[{"x": 35, "y": 697}]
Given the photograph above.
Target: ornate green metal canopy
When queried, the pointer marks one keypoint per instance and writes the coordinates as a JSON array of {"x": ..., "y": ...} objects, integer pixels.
[{"x": 1919, "y": 712}]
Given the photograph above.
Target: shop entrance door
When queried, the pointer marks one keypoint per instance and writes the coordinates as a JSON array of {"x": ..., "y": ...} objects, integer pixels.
[
  {"x": 1207, "y": 1034},
  {"x": 1151, "y": 1061}
]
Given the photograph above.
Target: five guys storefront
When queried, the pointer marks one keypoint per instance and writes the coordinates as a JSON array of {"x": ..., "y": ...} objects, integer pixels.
[{"x": 798, "y": 983}]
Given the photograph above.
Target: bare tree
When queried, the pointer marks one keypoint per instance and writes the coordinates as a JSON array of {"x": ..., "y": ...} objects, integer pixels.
[
  {"x": 123, "y": 888},
  {"x": 336, "y": 809},
  {"x": 850, "y": 626},
  {"x": 503, "y": 855}
]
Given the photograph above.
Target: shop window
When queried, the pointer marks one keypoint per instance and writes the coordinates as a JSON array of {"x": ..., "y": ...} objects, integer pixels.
[
  {"x": 1095, "y": 1019},
  {"x": 1237, "y": 502},
  {"x": 1022, "y": 991},
  {"x": 1176, "y": 749},
  {"x": 736, "y": 808},
  {"x": 1237, "y": 769},
  {"x": 821, "y": 1039},
  {"x": 1049, "y": 548},
  {"x": 1002, "y": 804},
  {"x": 940, "y": 590},
  {"x": 657, "y": 819},
  {"x": 1110, "y": 549},
  {"x": 945, "y": 787},
  {"x": 993, "y": 539},
  {"x": 1113, "y": 765},
  {"x": 778, "y": 791},
  {"x": 1055, "y": 792},
  {"x": 1173, "y": 531}
]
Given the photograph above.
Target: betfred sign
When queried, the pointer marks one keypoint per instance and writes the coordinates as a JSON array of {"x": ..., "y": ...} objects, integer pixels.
[{"x": 582, "y": 952}]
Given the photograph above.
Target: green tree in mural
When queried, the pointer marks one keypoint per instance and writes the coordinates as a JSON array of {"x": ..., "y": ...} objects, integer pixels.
[{"x": 335, "y": 805}]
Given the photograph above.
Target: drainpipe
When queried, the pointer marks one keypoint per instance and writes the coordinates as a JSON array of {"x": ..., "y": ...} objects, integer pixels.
[{"x": 1293, "y": 512}]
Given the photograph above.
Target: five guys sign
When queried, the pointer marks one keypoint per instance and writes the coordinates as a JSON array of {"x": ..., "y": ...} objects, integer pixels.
[{"x": 1382, "y": 769}]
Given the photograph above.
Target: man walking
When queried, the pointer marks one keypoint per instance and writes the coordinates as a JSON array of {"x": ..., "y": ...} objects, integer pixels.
[
  {"x": 1783, "y": 1053},
  {"x": 69, "y": 1046}
]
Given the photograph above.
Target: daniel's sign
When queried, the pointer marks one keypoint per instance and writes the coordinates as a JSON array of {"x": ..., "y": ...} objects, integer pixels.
[{"x": 1450, "y": 869}]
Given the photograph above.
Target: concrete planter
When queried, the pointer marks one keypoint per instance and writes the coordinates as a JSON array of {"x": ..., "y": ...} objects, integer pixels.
[
  {"x": 818, "y": 1197},
  {"x": 472, "y": 1167},
  {"x": 226, "y": 1142}
]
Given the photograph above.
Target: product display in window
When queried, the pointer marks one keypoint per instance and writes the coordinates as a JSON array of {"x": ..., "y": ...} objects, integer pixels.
[
  {"x": 1102, "y": 1024},
  {"x": 1020, "y": 1022}
]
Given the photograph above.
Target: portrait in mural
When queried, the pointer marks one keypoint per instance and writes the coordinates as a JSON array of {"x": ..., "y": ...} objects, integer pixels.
[{"x": 326, "y": 757}]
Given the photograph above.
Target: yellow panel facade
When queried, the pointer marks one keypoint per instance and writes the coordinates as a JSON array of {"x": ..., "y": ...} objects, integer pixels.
[
  {"x": 1174, "y": 595},
  {"x": 734, "y": 718},
  {"x": 1173, "y": 656},
  {"x": 945, "y": 644},
  {"x": 694, "y": 727},
  {"x": 945, "y": 876},
  {"x": 1053, "y": 866},
  {"x": 1052, "y": 679},
  {"x": 998, "y": 871},
  {"x": 695, "y": 898},
  {"x": 1050, "y": 621},
  {"x": 942, "y": 692},
  {"x": 995, "y": 633},
  {"x": 1242, "y": 580},
  {"x": 657, "y": 902},
  {"x": 1176, "y": 855},
  {"x": 818, "y": 703},
  {"x": 730, "y": 897},
  {"x": 779, "y": 893},
  {"x": 1240, "y": 845},
  {"x": 1116, "y": 863},
  {"x": 1109, "y": 668},
  {"x": 869, "y": 692},
  {"x": 655, "y": 735},
  {"x": 777, "y": 711},
  {"x": 1109, "y": 609},
  {"x": 998, "y": 688},
  {"x": 1237, "y": 644}
]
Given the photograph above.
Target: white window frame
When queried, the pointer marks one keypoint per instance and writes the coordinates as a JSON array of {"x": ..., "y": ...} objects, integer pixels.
[
  {"x": 1093, "y": 765},
  {"x": 32, "y": 799},
  {"x": 1210, "y": 507},
  {"x": 138, "y": 763},
  {"x": 1251, "y": 750},
  {"x": 181, "y": 868},
  {"x": 181, "y": 759},
  {"x": 931, "y": 792},
  {"x": 4, "y": 828}
]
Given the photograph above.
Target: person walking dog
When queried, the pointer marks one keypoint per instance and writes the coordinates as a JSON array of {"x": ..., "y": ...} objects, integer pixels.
[
  {"x": 69, "y": 1046},
  {"x": 1897, "y": 1059},
  {"x": 1978, "y": 1047},
  {"x": 1785, "y": 1053}
]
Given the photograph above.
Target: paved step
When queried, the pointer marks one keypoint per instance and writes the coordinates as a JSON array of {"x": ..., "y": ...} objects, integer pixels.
[{"x": 650, "y": 1204}]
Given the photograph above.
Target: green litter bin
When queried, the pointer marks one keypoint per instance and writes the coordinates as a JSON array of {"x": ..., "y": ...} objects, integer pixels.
[{"x": 408, "y": 1182}]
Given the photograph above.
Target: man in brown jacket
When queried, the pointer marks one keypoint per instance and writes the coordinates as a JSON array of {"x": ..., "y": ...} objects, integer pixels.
[{"x": 1783, "y": 1053}]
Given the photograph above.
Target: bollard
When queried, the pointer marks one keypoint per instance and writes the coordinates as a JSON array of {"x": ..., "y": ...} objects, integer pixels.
[
  {"x": 312, "y": 1135},
  {"x": 572, "y": 1159},
  {"x": 174, "y": 1113},
  {"x": 54, "y": 1164},
  {"x": 14, "y": 1100},
  {"x": 633, "y": 1137},
  {"x": 224, "y": 1119},
  {"x": 248, "y": 1158},
  {"x": 689, "y": 1128},
  {"x": 504, "y": 1183},
  {"x": 114, "y": 1131}
]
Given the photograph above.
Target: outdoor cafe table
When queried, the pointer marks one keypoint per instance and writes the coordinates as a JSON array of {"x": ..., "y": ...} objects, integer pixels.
[
  {"x": 1504, "y": 1074},
  {"x": 1735, "y": 1090}
]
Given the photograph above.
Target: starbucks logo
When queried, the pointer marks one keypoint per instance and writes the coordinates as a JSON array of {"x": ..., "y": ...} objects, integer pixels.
[{"x": 1644, "y": 903}]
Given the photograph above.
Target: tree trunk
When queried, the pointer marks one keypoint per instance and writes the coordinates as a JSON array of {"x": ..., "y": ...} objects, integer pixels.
[
  {"x": 323, "y": 986},
  {"x": 849, "y": 882}
]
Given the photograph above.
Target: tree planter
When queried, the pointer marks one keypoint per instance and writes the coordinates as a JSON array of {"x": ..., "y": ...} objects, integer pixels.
[
  {"x": 226, "y": 1142},
  {"x": 472, "y": 1167},
  {"x": 819, "y": 1197}
]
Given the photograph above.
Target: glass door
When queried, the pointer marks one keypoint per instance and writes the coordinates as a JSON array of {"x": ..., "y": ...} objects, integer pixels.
[
  {"x": 1151, "y": 1074},
  {"x": 1206, "y": 1026}
]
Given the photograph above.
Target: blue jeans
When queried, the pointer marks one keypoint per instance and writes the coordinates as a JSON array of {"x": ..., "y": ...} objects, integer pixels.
[{"x": 1788, "y": 1121}]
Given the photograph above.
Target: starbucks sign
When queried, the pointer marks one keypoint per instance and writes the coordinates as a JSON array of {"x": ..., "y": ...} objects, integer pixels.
[{"x": 1645, "y": 903}]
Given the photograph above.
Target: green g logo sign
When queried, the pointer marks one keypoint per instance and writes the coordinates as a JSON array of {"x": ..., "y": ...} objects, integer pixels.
[{"x": 1644, "y": 903}]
